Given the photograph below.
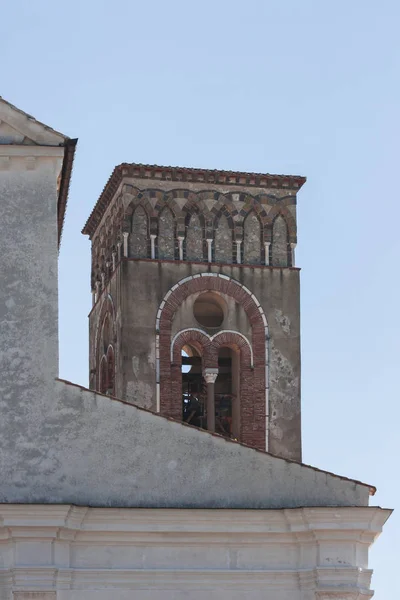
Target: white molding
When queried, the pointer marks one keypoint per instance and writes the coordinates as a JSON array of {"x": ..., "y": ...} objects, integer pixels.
[{"x": 68, "y": 548}]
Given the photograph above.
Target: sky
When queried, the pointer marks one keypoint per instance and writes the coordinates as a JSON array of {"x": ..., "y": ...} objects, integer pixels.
[{"x": 306, "y": 87}]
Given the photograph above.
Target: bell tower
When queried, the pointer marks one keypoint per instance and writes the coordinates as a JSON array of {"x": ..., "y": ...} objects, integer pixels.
[{"x": 196, "y": 300}]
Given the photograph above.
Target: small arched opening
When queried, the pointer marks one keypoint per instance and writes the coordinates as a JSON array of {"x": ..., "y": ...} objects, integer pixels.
[
  {"x": 227, "y": 393},
  {"x": 193, "y": 389}
]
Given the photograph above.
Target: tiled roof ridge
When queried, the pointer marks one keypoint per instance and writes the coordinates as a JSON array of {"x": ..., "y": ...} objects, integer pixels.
[
  {"x": 193, "y": 174},
  {"x": 372, "y": 488}
]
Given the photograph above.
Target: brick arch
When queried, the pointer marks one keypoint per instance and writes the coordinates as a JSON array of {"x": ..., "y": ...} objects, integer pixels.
[
  {"x": 275, "y": 211},
  {"x": 208, "y": 344},
  {"x": 254, "y": 430},
  {"x": 170, "y": 203},
  {"x": 251, "y": 203},
  {"x": 142, "y": 200}
]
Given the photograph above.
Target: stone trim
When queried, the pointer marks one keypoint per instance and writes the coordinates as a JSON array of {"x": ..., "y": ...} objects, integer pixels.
[{"x": 168, "y": 373}]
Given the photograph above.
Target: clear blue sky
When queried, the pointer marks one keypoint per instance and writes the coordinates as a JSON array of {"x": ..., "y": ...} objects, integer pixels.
[{"x": 281, "y": 86}]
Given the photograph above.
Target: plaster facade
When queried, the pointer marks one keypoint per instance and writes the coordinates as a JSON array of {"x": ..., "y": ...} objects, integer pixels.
[{"x": 72, "y": 553}]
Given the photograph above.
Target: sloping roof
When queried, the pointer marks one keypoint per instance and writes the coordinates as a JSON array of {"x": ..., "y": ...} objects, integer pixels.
[
  {"x": 35, "y": 133},
  {"x": 182, "y": 174}
]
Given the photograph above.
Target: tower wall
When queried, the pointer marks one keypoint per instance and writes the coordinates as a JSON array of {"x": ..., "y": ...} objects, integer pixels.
[{"x": 154, "y": 235}]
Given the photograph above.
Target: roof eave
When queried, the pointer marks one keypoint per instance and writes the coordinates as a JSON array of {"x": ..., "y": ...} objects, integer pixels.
[{"x": 66, "y": 173}]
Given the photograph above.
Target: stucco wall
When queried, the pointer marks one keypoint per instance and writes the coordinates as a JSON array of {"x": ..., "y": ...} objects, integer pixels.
[
  {"x": 28, "y": 293},
  {"x": 75, "y": 553},
  {"x": 79, "y": 447}
]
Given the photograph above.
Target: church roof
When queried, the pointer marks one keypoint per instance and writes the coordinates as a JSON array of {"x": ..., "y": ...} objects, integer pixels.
[
  {"x": 184, "y": 174},
  {"x": 20, "y": 128}
]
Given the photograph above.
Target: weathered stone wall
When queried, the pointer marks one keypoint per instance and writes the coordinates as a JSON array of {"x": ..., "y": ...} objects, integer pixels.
[
  {"x": 196, "y": 214},
  {"x": 194, "y": 239},
  {"x": 252, "y": 240},
  {"x": 139, "y": 236},
  {"x": 166, "y": 235},
  {"x": 143, "y": 285},
  {"x": 182, "y": 222},
  {"x": 223, "y": 241},
  {"x": 279, "y": 242}
]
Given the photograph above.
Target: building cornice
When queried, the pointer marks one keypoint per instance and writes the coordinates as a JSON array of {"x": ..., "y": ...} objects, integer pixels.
[{"x": 184, "y": 174}]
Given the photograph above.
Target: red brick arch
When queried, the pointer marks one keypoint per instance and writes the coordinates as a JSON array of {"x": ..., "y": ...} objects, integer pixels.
[{"x": 254, "y": 387}]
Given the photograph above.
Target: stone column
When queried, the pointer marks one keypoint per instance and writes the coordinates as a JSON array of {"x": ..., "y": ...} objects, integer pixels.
[
  {"x": 153, "y": 245},
  {"x": 126, "y": 236},
  {"x": 209, "y": 249},
  {"x": 103, "y": 280},
  {"x": 238, "y": 252},
  {"x": 210, "y": 375},
  {"x": 266, "y": 246},
  {"x": 293, "y": 247},
  {"x": 93, "y": 297},
  {"x": 114, "y": 260},
  {"x": 180, "y": 242}
]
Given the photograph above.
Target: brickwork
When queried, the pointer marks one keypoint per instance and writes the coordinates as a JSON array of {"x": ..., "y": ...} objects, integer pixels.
[{"x": 252, "y": 378}]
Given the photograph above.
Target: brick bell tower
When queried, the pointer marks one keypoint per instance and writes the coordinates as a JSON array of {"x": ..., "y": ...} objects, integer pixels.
[{"x": 196, "y": 300}]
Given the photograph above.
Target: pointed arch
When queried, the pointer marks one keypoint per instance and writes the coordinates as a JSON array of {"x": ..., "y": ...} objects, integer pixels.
[
  {"x": 252, "y": 239},
  {"x": 139, "y": 236},
  {"x": 280, "y": 242},
  {"x": 166, "y": 234},
  {"x": 279, "y": 209}
]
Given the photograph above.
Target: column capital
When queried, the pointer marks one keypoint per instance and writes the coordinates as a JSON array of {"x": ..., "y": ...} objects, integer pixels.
[
  {"x": 125, "y": 234},
  {"x": 210, "y": 375}
]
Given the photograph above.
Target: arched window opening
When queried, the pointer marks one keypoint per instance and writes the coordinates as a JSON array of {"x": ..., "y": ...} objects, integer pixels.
[
  {"x": 227, "y": 393},
  {"x": 193, "y": 388}
]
